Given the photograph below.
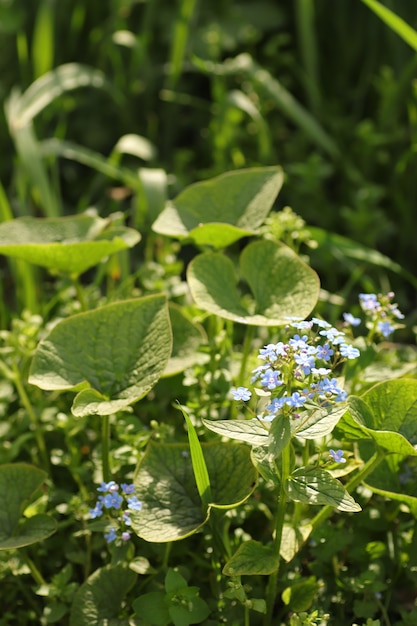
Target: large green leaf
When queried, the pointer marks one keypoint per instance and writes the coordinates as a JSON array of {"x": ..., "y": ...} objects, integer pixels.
[
  {"x": 18, "y": 484},
  {"x": 113, "y": 355},
  {"x": 317, "y": 486},
  {"x": 219, "y": 211},
  {"x": 165, "y": 483},
  {"x": 99, "y": 600},
  {"x": 64, "y": 244},
  {"x": 387, "y": 414},
  {"x": 282, "y": 285}
]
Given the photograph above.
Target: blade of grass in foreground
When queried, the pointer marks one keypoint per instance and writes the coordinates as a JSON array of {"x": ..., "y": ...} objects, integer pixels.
[{"x": 396, "y": 23}]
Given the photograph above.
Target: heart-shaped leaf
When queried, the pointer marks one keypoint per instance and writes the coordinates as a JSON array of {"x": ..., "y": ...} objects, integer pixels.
[
  {"x": 64, "y": 244},
  {"x": 18, "y": 484},
  {"x": 220, "y": 211},
  {"x": 113, "y": 355},
  {"x": 99, "y": 600},
  {"x": 165, "y": 483},
  {"x": 282, "y": 285}
]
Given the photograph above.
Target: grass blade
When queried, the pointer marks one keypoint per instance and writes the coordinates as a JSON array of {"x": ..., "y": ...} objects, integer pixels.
[
  {"x": 197, "y": 458},
  {"x": 396, "y": 23}
]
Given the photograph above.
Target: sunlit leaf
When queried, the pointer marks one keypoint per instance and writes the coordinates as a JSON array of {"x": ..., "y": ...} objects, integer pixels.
[
  {"x": 282, "y": 285},
  {"x": 113, "y": 355},
  {"x": 64, "y": 244},
  {"x": 166, "y": 485}
]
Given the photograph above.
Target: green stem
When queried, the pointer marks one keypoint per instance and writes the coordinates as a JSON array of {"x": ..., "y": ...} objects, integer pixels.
[
  {"x": 367, "y": 469},
  {"x": 246, "y": 351},
  {"x": 105, "y": 447},
  {"x": 24, "y": 399},
  {"x": 36, "y": 575},
  {"x": 80, "y": 292},
  {"x": 271, "y": 591}
]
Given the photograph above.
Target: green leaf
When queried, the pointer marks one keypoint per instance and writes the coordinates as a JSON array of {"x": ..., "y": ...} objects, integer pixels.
[
  {"x": 64, "y": 244},
  {"x": 219, "y": 211},
  {"x": 98, "y": 601},
  {"x": 293, "y": 539},
  {"x": 387, "y": 413},
  {"x": 264, "y": 462},
  {"x": 279, "y": 435},
  {"x": 318, "y": 422},
  {"x": 165, "y": 483},
  {"x": 251, "y": 431},
  {"x": 197, "y": 458},
  {"x": 18, "y": 485},
  {"x": 252, "y": 558},
  {"x": 300, "y": 596},
  {"x": 113, "y": 355},
  {"x": 152, "y": 608},
  {"x": 317, "y": 486},
  {"x": 282, "y": 285},
  {"x": 187, "y": 338}
]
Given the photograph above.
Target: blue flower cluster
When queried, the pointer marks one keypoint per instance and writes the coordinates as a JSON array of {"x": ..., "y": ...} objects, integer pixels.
[
  {"x": 382, "y": 314},
  {"x": 297, "y": 374},
  {"x": 117, "y": 503}
]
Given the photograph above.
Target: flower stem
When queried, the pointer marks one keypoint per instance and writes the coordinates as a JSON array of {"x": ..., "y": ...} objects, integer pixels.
[
  {"x": 32, "y": 416},
  {"x": 271, "y": 591}
]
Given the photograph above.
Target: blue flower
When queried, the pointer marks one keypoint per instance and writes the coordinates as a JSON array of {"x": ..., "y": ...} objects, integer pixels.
[
  {"x": 134, "y": 504},
  {"x": 270, "y": 379},
  {"x": 303, "y": 325},
  {"x": 112, "y": 501},
  {"x": 337, "y": 456},
  {"x": 351, "y": 320},
  {"x": 127, "y": 489},
  {"x": 109, "y": 487},
  {"x": 110, "y": 535},
  {"x": 241, "y": 393},
  {"x": 299, "y": 343},
  {"x": 349, "y": 352},
  {"x": 125, "y": 536},
  {"x": 369, "y": 302},
  {"x": 324, "y": 352},
  {"x": 385, "y": 328},
  {"x": 333, "y": 335},
  {"x": 305, "y": 361},
  {"x": 272, "y": 351},
  {"x": 97, "y": 511},
  {"x": 296, "y": 400},
  {"x": 321, "y": 323}
]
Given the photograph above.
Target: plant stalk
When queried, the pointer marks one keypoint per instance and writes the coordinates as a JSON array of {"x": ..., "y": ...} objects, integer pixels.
[{"x": 271, "y": 591}]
